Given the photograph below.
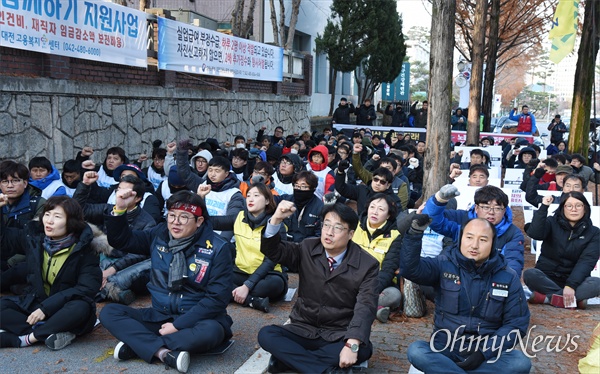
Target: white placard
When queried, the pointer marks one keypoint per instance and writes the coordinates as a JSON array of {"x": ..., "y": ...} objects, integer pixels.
[
  {"x": 191, "y": 49},
  {"x": 91, "y": 29}
]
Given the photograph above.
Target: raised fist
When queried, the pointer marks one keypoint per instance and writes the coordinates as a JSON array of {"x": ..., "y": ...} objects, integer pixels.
[
  {"x": 419, "y": 223},
  {"x": 343, "y": 166},
  {"x": 171, "y": 147},
  {"x": 446, "y": 193},
  {"x": 88, "y": 164},
  {"x": 90, "y": 177},
  {"x": 413, "y": 163},
  {"x": 357, "y": 148},
  {"x": 203, "y": 190},
  {"x": 87, "y": 151}
]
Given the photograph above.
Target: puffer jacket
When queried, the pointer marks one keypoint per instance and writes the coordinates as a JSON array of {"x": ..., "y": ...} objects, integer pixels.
[
  {"x": 569, "y": 253},
  {"x": 79, "y": 278},
  {"x": 384, "y": 244},
  {"x": 361, "y": 192},
  {"x": 509, "y": 241},
  {"x": 485, "y": 301},
  {"x": 207, "y": 288}
]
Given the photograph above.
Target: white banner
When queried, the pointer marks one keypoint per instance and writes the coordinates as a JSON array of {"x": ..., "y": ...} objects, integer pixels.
[
  {"x": 90, "y": 29},
  {"x": 187, "y": 48}
]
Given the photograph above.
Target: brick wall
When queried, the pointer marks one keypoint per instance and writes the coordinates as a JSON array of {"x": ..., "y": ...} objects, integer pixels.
[{"x": 16, "y": 62}]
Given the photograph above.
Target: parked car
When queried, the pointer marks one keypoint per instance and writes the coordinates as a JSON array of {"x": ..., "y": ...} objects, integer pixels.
[{"x": 504, "y": 122}]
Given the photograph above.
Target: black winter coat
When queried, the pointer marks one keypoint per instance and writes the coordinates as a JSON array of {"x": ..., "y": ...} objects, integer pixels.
[
  {"x": 568, "y": 253},
  {"x": 79, "y": 278},
  {"x": 342, "y": 113}
]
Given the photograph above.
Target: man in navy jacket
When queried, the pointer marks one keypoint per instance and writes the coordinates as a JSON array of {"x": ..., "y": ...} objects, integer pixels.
[{"x": 480, "y": 307}]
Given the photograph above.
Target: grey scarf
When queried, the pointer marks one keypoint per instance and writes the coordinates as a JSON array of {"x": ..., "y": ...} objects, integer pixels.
[{"x": 178, "y": 264}]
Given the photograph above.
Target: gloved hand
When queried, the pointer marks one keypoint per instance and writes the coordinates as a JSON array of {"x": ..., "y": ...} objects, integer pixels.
[
  {"x": 184, "y": 144},
  {"x": 472, "y": 362},
  {"x": 329, "y": 198},
  {"x": 258, "y": 179},
  {"x": 539, "y": 173},
  {"x": 404, "y": 221},
  {"x": 446, "y": 193},
  {"x": 253, "y": 152},
  {"x": 413, "y": 163},
  {"x": 419, "y": 223},
  {"x": 343, "y": 166}
]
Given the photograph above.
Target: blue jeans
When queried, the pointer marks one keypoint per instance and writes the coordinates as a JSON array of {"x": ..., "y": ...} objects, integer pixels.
[{"x": 423, "y": 358}]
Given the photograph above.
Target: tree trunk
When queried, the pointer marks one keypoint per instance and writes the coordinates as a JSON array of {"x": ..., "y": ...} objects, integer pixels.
[
  {"x": 281, "y": 23},
  {"x": 332, "y": 83},
  {"x": 584, "y": 79},
  {"x": 293, "y": 20},
  {"x": 248, "y": 25},
  {"x": 490, "y": 68},
  {"x": 237, "y": 16},
  {"x": 274, "y": 23},
  {"x": 437, "y": 161},
  {"x": 476, "y": 72}
]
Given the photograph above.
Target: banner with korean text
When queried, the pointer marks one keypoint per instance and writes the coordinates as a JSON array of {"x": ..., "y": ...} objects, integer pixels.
[
  {"x": 89, "y": 29},
  {"x": 187, "y": 48}
]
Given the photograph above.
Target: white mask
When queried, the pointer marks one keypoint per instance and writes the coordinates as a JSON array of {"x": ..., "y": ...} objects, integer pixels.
[
  {"x": 240, "y": 145},
  {"x": 294, "y": 151}
]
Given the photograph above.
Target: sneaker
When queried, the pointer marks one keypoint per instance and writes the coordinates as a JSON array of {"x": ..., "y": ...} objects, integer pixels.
[
  {"x": 124, "y": 352},
  {"x": 179, "y": 360},
  {"x": 59, "y": 340},
  {"x": 383, "y": 313},
  {"x": 582, "y": 304},
  {"x": 260, "y": 303},
  {"x": 537, "y": 298},
  {"x": 9, "y": 340}
]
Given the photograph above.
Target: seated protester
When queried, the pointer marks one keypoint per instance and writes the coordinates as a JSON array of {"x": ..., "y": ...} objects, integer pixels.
[
  {"x": 399, "y": 173},
  {"x": 118, "y": 276},
  {"x": 491, "y": 204},
  {"x": 274, "y": 139},
  {"x": 290, "y": 141},
  {"x": 332, "y": 157},
  {"x": 476, "y": 155},
  {"x": 239, "y": 163},
  {"x": 561, "y": 159},
  {"x": 190, "y": 284},
  {"x": 343, "y": 153},
  {"x": 273, "y": 155},
  {"x": 479, "y": 175},
  {"x": 557, "y": 149},
  {"x": 378, "y": 235},
  {"x": 172, "y": 185},
  {"x": 262, "y": 173},
  {"x": 71, "y": 176},
  {"x": 289, "y": 165},
  {"x": 156, "y": 172},
  {"x": 548, "y": 180},
  {"x": 330, "y": 324},
  {"x": 529, "y": 168},
  {"x": 570, "y": 251},
  {"x": 199, "y": 163},
  {"x": 149, "y": 201},
  {"x": 478, "y": 300},
  {"x": 565, "y": 181},
  {"x": 43, "y": 175},
  {"x": 24, "y": 202},
  {"x": 487, "y": 141},
  {"x": 399, "y": 187},
  {"x": 224, "y": 197},
  {"x": 101, "y": 190},
  {"x": 62, "y": 278},
  {"x": 520, "y": 157},
  {"x": 257, "y": 280},
  {"x": 305, "y": 221},
  {"x": 413, "y": 170},
  {"x": 381, "y": 183},
  {"x": 580, "y": 168},
  {"x": 317, "y": 164},
  {"x": 377, "y": 143}
]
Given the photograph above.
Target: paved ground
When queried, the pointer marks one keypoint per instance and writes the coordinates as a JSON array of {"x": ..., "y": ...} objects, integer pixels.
[{"x": 93, "y": 353}]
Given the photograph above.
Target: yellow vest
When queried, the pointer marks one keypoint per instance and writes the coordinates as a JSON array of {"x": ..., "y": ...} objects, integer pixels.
[
  {"x": 52, "y": 265},
  {"x": 378, "y": 247},
  {"x": 247, "y": 244}
]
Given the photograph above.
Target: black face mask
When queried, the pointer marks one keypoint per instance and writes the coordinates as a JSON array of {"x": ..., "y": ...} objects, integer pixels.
[
  {"x": 72, "y": 184},
  {"x": 301, "y": 198}
]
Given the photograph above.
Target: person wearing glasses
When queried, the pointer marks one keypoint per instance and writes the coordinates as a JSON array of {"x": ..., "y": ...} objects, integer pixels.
[
  {"x": 491, "y": 204},
  {"x": 289, "y": 165},
  {"x": 156, "y": 172},
  {"x": 570, "y": 251},
  {"x": 330, "y": 323},
  {"x": 381, "y": 182},
  {"x": 262, "y": 173},
  {"x": 23, "y": 203},
  {"x": 190, "y": 284}
]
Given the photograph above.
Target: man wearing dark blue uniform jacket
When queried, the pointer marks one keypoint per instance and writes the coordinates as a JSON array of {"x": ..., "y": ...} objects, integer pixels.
[
  {"x": 480, "y": 307},
  {"x": 190, "y": 284}
]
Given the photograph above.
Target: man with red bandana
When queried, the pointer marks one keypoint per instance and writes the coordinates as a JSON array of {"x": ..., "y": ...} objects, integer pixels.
[{"x": 190, "y": 284}]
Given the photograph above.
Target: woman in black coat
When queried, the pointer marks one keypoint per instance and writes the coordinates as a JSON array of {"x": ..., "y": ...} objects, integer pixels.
[
  {"x": 570, "y": 251},
  {"x": 63, "y": 277}
]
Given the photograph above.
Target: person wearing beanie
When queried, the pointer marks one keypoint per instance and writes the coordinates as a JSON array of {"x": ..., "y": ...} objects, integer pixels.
[
  {"x": 172, "y": 185},
  {"x": 342, "y": 112},
  {"x": 289, "y": 165},
  {"x": 199, "y": 163},
  {"x": 273, "y": 154}
]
